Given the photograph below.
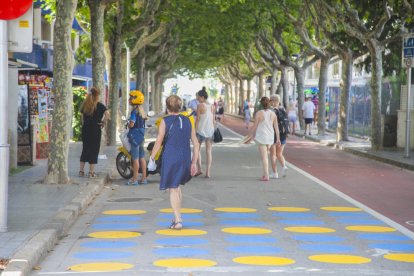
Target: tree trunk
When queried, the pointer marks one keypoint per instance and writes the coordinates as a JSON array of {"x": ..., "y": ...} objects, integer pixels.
[
  {"x": 299, "y": 75},
  {"x": 279, "y": 89},
  {"x": 124, "y": 91},
  {"x": 140, "y": 58},
  {"x": 236, "y": 98},
  {"x": 285, "y": 83},
  {"x": 145, "y": 90},
  {"x": 115, "y": 46},
  {"x": 261, "y": 86},
  {"x": 273, "y": 86},
  {"x": 57, "y": 166},
  {"x": 376, "y": 80},
  {"x": 323, "y": 84},
  {"x": 249, "y": 88},
  {"x": 242, "y": 95},
  {"x": 347, "y": 67},
  {"x": 152, "y": 81},
  {"x": 97, "y": 39}
]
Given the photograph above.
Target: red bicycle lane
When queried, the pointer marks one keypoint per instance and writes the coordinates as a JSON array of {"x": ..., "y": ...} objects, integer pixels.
[{"x": 384, "y": 188}]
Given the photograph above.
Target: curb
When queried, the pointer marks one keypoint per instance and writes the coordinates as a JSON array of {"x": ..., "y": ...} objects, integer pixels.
[
  {"x": 362, "y": 153},
  {"x": 34, "y": 251}
]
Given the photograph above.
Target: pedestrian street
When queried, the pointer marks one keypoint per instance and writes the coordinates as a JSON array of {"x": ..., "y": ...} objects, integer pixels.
[{"x": 233, "y": 223}]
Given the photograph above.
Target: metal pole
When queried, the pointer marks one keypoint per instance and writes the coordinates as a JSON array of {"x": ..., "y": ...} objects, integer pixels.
[
  {"x": 128, "y": 69},
  {"x": 408, "y": 114},
  {"x": 4, "y": 146}
]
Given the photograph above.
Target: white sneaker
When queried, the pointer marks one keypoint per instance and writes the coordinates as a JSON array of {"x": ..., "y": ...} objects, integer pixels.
[
  {"x": 273, "y": 176},
  {"x": 284, "y": 171}
]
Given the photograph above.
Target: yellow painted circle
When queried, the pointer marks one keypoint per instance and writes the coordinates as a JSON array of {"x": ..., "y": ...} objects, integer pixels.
[
  {"x": 341, "y": 209},
  {"x": 370, "y": 228},
  {"x": 263, "y": 260},
  {"x": 184, "y": 263},
  {"x": 339, "y": 259},
  {"x": 183, "y": 210},
  {"x": 246, "y": 230},
  {"x": 92, "y": 267},
  {"x": 235, "y": 210},
  {"x": 403, "y": 257},
  {"x": 124, "y": 212},
  {"x": 182, "y": 232},
  {"x": 114, "y": 234},
  {"x": 289, "y": 209},
  {"x": 310, "y": 229}
]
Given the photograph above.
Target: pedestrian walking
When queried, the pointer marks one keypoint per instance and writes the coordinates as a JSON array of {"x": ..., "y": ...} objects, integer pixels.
[
  {"x": 192, "y": 104},
  {"x": 292, "y": 116},
  {"x": 246, "y": 111},
  {"x": 220, "y": 110},
  {"x": 264, "y": 128},
  {"x": 137, "y": 127},
  {"x": 177, "y": 165},
  {"x": 276, "y": 150},
  {"x": 204, "y": 126},
  {"x": 94, "y": 116},
  {"x": 308, "y": 109}
]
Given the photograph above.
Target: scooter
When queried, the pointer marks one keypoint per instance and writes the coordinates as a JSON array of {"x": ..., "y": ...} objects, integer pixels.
[{"x": 123, "y": 159}]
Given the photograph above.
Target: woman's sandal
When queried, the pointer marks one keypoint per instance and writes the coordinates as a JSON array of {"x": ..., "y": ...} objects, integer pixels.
[
  {"x": 176, "y": 225},
  {"x": 81, "y": 174},
  {"x": 264, "y": 178},
  {"x": 92, "y": 175},
  {"x": 198, "y": 173}
]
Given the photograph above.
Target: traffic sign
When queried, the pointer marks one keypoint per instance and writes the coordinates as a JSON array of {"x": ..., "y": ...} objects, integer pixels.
[{"x": 408, "y": 50}]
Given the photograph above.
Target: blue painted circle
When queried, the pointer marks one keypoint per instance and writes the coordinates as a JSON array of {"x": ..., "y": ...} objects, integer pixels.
[
  {"x": 99, "y": 255},
  {"x": 360, "y": 221},
  {"x": 327, "y": 248},
  {"x": 186, "y": 224},
  {"x": 237, "y": 215},
  {"x": 250, "y": 239},
  {"x": 256, "y": 250},
  {"x": 109, "y": 244},
  {"x": 180, "y": 251},
  {"x": 317, "y": 238},
  {"x": 117, "y": 218},
  {"x": 181, "y": 241},
  {"x": 383, "y": 237},
  {"x": 115, "y": 226},
  {"x": 350, "y": 214},
  {"x": 293, "y": 215},
  {"x": 302, "y": 222},
  {"x": 399, "y": 247},
  {"x": 183, "y": 216},
  {"x": 242, "y": 222}
]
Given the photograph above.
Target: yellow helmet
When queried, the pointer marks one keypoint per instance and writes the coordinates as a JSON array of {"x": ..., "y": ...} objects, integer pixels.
[{"x": 137, "y": 97}]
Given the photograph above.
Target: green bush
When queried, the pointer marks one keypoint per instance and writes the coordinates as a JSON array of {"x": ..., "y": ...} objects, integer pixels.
[{"x": 79, "y": 95}]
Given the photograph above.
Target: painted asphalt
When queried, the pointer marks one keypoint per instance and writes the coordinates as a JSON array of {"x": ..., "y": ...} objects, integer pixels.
[{"x": 233, "y": 223}]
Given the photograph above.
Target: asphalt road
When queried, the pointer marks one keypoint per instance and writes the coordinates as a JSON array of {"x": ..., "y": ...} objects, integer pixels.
[{"x": 234, "y": 223}]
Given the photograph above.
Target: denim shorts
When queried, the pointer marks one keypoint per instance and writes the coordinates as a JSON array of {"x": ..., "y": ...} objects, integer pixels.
[
  {"x": 137, "y": 152},
  {"x": 201, "y": 138}
]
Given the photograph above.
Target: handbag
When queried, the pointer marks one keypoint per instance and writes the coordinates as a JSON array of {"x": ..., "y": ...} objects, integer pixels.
[
  {"x": 136, "y": 136},
  {"x": 124, "y": 139},
  {"x": 217, "y": 136}
]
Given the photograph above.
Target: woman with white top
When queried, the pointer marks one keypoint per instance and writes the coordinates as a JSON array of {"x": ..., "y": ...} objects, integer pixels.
[
  {"x": 263, "y": 132},
  {"x": 292, "y": 116},
  {"x": 204, "y": 126}
]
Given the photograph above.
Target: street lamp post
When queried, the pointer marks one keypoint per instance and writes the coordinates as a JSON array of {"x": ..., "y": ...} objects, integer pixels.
[{"x": 4, "y": 146}]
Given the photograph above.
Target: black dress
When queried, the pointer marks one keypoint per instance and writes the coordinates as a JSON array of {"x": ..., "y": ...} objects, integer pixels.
[{"x": 91, "y": 135}]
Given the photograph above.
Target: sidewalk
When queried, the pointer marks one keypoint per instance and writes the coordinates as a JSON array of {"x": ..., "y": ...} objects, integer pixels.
[
  {"x": 358, "y": 146},
  {"x": 40, "y": 214}
]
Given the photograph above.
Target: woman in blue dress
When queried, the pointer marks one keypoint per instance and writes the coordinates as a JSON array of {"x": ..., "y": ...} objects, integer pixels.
[{"x": 177, "y": 165}]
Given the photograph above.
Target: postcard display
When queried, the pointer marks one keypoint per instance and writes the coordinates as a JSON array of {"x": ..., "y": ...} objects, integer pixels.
[{"x": 39, "y": 102}]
